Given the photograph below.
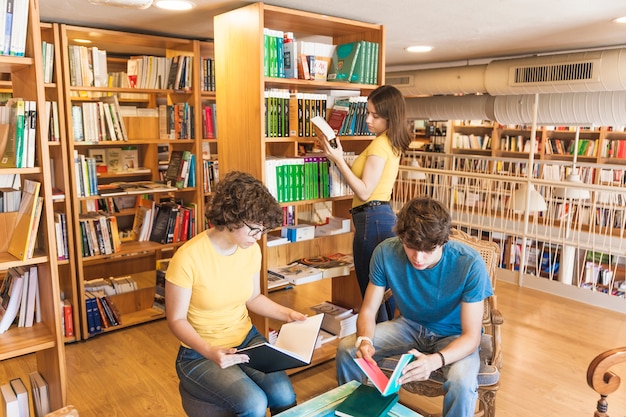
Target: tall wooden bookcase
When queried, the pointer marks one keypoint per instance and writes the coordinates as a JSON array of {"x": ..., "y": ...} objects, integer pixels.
[
  {"x": 135, "y": 258},
  {"x": 239, "y": 56},
  {"x": 50, "y": 33},
  {"x": 44, "y": 339}
]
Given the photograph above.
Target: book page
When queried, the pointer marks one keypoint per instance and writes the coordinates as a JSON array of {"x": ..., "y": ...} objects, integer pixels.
[{"x": 300, "y": 337}]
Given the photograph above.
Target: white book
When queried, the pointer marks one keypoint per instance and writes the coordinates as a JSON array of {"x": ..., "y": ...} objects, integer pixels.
[
  {"x": 33, "y": 289},
  {"x": 293, "y": 348},
  {"x": 41, "y": 399},
  {"x": 297, "y": 273},
  {"x": 22, "y": 397},
  {"x": 21, "y": 317},
  {"x": 10, "y": 407},
  {"x": 11, "y": 295}
]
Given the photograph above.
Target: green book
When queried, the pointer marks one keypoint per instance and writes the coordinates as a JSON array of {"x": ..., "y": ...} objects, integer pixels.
[
  {"x": 343, "y": 62},
  {"x": 366, "y": 401}
]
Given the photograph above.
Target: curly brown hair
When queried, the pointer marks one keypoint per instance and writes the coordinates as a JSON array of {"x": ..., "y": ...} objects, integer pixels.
[
  {"x": 239, "y": 198},
  {"x": 423, "y": 224}
]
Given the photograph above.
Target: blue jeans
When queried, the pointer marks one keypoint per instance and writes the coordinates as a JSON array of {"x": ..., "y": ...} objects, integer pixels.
[
  {"x": 372, "y": 226},
  {"x": 399, "y": 336},
  {"x": 239, "y": 388}
]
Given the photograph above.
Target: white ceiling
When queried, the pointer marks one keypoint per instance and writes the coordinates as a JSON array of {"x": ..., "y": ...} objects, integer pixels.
[{"x": 461, "y": 31}]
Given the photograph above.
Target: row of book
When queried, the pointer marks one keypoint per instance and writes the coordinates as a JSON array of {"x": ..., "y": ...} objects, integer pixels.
[
  {"x": 47, "y": 59},
  {"x": 99, "y": 234},
  {"x": 181, "y": 170},
  {"x": 52, "y": 115},
  {"x": 98, "y": 121},
  {"x": 355, "y": 62},
  {"x": 176, "y": 121},
  {"x": 88, "y": 68},
  {"x": 18, "y": 127},
  {"x": 13, "y": 27},
  {"x": 284, "y": 57},
  {"x": 166, "y": 222},
  {"x": 277, "y": 113},
  {"x": 211, "y": 175},
  {"x": 461, "y": 141},
  {"x": 101, "y": 312},
  {"x": 19, "y": 298},
  {"x": 306, "y": 270},
  {"x": 348, "y": 116},
  {"x": 67, "y": 318},
  {"x": 517, "y": 143},
  {"x": 60, "y": 229},
  {"x": 209, "y": 121},
  {"x": 586, "y": 147},
  {"x": 614, "y": 149},
  {"x": 15, "y": 398},
  {"x": 207, "y": 74},
  {"x": 305, "y": 178},
  {"x": 10, "y": 201}
]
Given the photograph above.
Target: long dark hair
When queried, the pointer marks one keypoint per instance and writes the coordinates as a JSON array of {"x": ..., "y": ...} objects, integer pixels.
[{"x": 389, "y": 104}]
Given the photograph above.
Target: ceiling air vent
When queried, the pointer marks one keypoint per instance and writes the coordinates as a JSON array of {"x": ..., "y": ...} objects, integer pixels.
[
  {"x": 575, "y": 71},
  {"x": 401, "y": 81}
]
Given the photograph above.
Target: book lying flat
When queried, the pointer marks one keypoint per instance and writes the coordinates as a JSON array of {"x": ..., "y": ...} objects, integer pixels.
[
  {"x": 293, "y": 348},
  {"x": 366, "y": 401},
  {"x": 386, "y": 386}
]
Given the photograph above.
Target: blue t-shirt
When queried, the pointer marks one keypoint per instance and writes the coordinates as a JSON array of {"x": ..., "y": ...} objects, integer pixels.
[{"x": 432, "y": 297}]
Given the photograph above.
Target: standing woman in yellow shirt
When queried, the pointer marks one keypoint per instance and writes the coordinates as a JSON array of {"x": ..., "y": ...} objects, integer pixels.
[{"x": 372, "y": 177}]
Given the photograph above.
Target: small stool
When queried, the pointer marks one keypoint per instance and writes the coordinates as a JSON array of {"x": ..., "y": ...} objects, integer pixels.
[{"x": 195, "y": 407}]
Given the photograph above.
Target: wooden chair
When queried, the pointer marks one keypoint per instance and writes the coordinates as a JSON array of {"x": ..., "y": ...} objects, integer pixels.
[
  {"x": 602, "y": 380},
  {"x": 490, "y": 346}
]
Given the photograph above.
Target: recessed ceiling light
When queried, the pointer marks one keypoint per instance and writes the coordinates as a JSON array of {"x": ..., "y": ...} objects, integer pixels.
[
  {"x": 78, "y": 40},
  {"x": 419, "y": 48},
  {"x": 174, "y": 4},
  {"x": 620, "y": 19}
]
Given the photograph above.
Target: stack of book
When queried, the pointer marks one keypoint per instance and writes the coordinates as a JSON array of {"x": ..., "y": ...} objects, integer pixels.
[
  {"x": 337, "y": 320},
  {"x": 296, "y": 273}
]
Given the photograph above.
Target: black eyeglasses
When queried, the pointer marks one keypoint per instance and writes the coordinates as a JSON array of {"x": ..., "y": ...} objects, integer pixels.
[{"x": 254, "y": 231}]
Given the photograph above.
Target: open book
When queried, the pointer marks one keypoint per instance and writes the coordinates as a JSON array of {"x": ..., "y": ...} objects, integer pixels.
[
  {"x": 386, "y": 386},
  {"x": 293, "y": 348},
  {"x": 326, "y": 129}
]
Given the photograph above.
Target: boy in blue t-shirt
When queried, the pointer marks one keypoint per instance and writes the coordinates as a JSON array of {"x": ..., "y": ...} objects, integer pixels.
[{"x": 439, "y": 287}]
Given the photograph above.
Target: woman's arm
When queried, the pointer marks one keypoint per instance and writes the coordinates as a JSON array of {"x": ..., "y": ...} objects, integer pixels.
[
  {"x": 372, "y": 171},
  {"x": 176, "y": 305},
  {"x": 265, "y": 307}
]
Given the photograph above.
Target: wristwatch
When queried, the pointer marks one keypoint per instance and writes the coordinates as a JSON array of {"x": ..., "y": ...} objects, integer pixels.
[{"x": 360, "y": 340}]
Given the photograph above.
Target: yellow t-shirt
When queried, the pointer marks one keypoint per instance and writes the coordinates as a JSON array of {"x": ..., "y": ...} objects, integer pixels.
[
  {"x": 380, "y": 146},
  {"x": 220, "y": 285}
]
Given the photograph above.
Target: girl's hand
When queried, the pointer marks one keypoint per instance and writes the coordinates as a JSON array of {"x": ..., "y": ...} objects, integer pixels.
[
  {"x": 226, "y": 357},
  {"x": 296, "y": 316},
  {"x": 334, "y": 154}
]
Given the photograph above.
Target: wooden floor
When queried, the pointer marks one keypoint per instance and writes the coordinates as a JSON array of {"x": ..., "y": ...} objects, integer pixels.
[{"x": 548, "y": 344}]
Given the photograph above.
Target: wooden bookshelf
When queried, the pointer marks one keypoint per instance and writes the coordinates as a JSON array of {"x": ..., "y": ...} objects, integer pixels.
[
  {"x": 44, "y": 339},
  {"x": 146, "y": 135},
  {"x": 241, "y": 84}
]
